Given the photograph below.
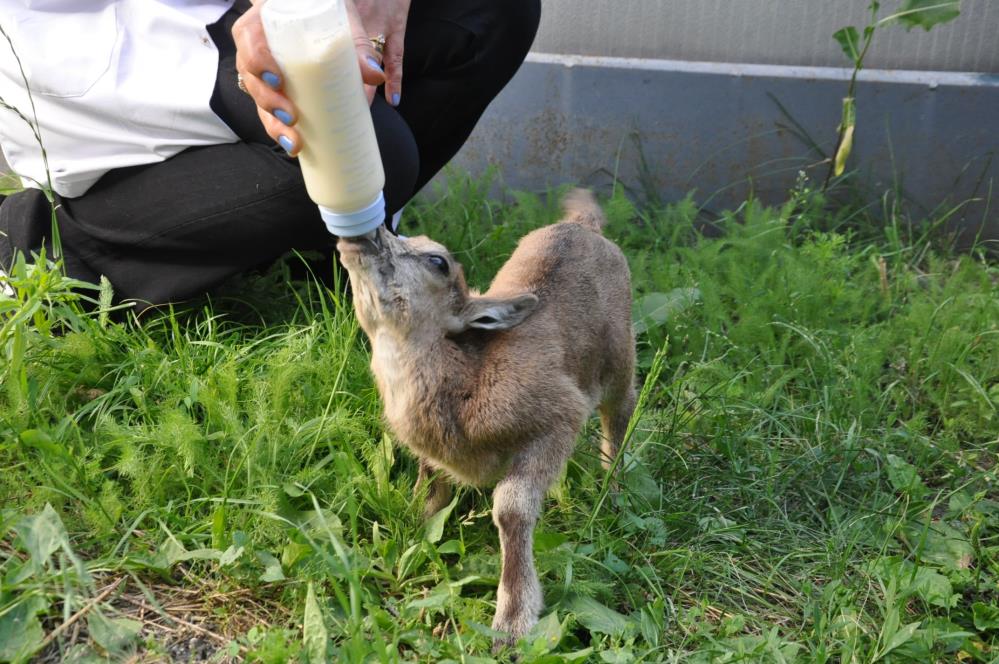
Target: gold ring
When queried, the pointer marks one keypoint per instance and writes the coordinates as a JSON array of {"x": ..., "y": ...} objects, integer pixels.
[
  {"x": 240, "y": 84},
  {"x": 378, "y": 41}
]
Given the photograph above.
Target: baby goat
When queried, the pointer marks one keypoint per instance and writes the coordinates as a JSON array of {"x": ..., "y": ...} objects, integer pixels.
[{"x": 494, "y": 388}]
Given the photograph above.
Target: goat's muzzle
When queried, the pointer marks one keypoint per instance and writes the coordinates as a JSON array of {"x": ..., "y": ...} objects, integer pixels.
[{"x": 371, "y": 243}]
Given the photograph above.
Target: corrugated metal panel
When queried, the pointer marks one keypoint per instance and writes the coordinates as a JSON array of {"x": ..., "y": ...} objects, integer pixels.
[{"x": 788, "y": 32}]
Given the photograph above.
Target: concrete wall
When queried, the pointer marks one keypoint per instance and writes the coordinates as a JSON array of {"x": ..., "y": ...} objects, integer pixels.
[
  {"x": 729, "y": 98},
  {"x": 727, "y": 131},
  {"x": 787, "y": 32}
]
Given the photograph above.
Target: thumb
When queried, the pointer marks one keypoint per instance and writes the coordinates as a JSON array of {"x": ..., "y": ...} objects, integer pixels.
[{"x": 371, "y": 68}]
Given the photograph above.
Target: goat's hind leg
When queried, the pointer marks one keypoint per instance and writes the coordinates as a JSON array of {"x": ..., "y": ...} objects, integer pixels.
[{"x": 615, "y": 414}]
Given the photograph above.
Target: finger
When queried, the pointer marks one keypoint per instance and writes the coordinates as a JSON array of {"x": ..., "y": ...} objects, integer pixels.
[
  {"x": 371, "y": 69},
  {"x": 263, "y": 93},
  {"x": 393, "y": 67},
  {"x": 262, "y": 80},
  {"x": 252, "y": 51},
  {"x": 277, "y": 113},
  {"x": 270, "y": 101},
  {"x": 287, "y": 137}
]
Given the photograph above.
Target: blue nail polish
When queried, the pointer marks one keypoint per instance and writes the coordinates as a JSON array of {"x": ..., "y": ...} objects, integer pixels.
[
  {"x": 271, "y": 79},
  {"x": 374, "y": 64},
  {"x": 283, "y": 116},
  {"x": 395, "y": 98},
  {"x": 286, "y": 143}
]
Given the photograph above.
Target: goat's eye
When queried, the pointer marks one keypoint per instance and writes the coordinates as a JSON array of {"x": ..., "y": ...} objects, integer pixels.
[{"x": 440, "y": 263}]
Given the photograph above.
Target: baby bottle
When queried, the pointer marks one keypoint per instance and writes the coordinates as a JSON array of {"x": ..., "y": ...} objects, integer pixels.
[{"x": 312, "y": 42}]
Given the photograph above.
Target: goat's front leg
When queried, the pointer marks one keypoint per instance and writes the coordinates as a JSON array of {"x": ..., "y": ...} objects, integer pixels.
[
  {"x": 437, "y": 487},
  {"x": 516, "y": 507}
]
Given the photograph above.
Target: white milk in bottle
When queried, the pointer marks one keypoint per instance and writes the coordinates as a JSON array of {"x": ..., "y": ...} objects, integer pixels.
[{"x": 312, "y": 43}]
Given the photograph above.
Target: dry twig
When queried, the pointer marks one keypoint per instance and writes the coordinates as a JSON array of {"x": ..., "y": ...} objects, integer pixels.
[{"x": 54, "y": 634}]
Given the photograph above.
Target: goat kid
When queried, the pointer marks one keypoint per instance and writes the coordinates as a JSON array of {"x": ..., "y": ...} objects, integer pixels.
[{"x": 494, "y": 388}]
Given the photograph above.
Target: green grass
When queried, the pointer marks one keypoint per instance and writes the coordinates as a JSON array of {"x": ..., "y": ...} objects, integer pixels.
[{"x": 812, "y": 477}]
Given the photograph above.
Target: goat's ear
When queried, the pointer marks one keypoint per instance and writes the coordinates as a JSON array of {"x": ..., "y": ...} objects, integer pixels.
[{"x": 490, "y": 313}]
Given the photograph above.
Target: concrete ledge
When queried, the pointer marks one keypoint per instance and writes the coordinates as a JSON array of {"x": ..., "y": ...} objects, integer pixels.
[{"x": 727, "y": 129}]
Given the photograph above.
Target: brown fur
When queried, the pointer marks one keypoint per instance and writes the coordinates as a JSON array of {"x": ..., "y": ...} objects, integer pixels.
[{"x": 494, "y": 388}]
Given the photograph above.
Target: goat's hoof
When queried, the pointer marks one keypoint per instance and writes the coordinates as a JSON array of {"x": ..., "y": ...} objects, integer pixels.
[
  {"x": 513, "y": 629},
  {"x": 434, "y": 503},
  {"x": 500, "y": 644}
]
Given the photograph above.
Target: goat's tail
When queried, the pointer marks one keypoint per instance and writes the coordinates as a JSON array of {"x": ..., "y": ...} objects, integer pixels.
[{"x": 581, "y": 207}]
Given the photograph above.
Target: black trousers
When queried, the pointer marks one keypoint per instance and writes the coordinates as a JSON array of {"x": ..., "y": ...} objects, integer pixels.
[{"x": 167, "y": 231}]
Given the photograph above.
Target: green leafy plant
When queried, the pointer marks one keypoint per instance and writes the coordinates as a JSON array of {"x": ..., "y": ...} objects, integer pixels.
[{"x": 911, "y": 13}]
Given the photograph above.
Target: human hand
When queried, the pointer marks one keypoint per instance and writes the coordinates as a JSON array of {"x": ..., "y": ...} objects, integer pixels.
[
  {"x": 388, "y": 17},
  {"x": 263, "y": 81}
]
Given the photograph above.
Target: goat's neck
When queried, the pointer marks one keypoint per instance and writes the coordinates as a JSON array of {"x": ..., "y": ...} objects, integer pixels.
[{"x": 413, "y": 369}]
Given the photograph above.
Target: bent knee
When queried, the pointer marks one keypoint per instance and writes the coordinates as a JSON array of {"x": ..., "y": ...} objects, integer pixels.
[{"x": 514, "y": 505}]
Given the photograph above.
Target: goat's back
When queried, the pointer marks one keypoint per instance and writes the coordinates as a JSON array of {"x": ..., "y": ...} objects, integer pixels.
[{"x": 582, "y": 325}]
